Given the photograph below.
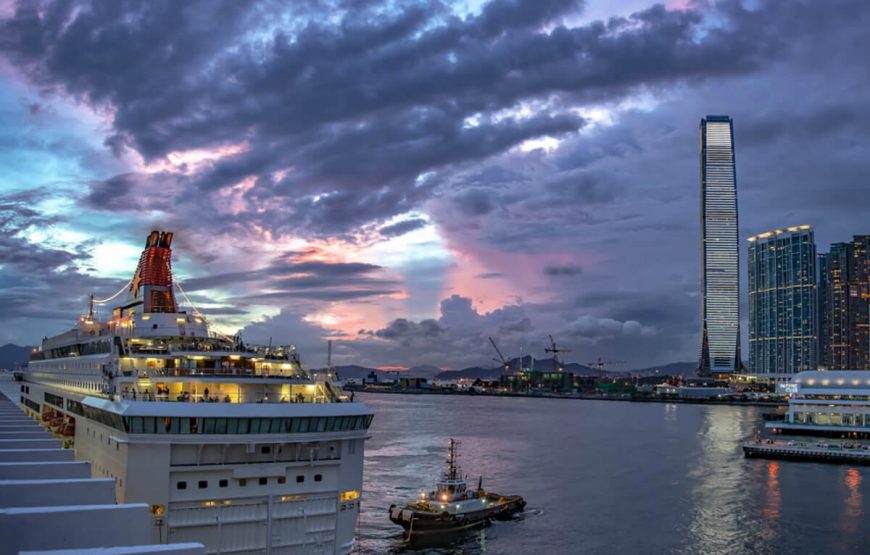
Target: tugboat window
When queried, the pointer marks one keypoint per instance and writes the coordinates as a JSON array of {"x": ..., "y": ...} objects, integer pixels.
[
  {"x": 300, "y": 479},
  {"x": 318, "y": 477},
  {"x": 181, "y": 485},
  {"x": 263, "y": 481},
  {"x": 203, "y": 484},
  {"x": 223, "y": 483}
]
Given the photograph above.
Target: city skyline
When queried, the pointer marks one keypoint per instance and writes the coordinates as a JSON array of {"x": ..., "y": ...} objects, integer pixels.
[{"x": 411, "y": 180}]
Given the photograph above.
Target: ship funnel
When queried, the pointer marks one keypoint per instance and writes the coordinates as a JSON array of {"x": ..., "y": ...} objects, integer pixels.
[{"x": 151, "y": 285}]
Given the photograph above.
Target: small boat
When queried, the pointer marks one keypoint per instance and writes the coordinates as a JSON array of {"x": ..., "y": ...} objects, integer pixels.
[{"x": 451, "y": 508}]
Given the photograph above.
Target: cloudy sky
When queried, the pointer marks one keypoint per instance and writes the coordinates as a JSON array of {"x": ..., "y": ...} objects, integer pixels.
[{"x": 408, "y": 178}]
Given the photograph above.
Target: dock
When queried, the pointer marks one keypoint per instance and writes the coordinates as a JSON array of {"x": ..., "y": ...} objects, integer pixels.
[
  {"x": 51, "y": 504},
  {"x": 843, "y": 453}
]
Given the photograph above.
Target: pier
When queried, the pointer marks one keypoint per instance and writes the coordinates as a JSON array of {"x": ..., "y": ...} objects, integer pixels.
[
  {"x": 849, "y": 453},
  {"x": 51, "y": 504}
]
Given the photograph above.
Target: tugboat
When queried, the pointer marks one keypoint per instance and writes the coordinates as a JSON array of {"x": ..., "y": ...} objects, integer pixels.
[{"x": 451, "y": 508}]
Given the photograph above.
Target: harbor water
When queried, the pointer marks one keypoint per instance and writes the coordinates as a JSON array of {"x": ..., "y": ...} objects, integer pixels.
[{"x": 610, "y": 478}]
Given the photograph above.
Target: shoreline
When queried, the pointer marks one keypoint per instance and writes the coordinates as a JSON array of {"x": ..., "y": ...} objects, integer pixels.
[{"x": 578, "y": 397}]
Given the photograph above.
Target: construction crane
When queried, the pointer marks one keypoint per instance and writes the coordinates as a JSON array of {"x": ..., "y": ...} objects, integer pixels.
[
  {"x": 557, "y": 366},
  {"x": 599, "y": 364},
  {"x": 501, "y": 358}
]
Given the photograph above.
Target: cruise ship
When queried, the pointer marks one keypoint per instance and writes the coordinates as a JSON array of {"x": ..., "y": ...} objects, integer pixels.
[
  {"x": 833, "y": 403},
  {"x": 231, "y": 445}
]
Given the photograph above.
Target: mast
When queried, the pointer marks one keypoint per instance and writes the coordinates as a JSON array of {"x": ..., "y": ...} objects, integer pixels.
[{"x": 452, "y": 455}]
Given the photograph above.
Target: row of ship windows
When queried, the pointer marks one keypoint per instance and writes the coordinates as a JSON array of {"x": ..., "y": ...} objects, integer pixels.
[
  {"x": 90, "y": 386},
  {"x": 174, "y": 425},
  {"x": 191, "y": 425},
  {"x": 69, "y": 367},
  {"x": 243, "y": 482}
]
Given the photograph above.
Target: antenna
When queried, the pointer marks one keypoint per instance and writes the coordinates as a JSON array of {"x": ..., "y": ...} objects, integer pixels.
[{"x": 329, "y": 354}]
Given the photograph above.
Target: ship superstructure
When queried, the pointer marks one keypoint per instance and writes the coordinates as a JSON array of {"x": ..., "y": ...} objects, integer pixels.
[{"x": 232, "y": 445}]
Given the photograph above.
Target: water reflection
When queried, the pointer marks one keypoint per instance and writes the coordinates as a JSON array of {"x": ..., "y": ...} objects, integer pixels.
[
  {"x": 853, "y": 509},
  {"x": 773, "y": 497},
  {"x": 720, "y": 491}
]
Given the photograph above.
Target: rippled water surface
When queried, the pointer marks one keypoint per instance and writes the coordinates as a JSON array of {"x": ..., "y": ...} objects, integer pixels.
[{"x": 610, "y": 477}]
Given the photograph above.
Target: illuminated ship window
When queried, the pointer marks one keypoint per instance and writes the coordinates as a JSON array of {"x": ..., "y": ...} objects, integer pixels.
[{"x": 349, "y": 495}]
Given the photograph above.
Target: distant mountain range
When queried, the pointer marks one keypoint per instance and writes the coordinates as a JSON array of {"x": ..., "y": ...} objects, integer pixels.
[
  {"x": 13, "y": 355},
  {"x": 541, "y": 365}
]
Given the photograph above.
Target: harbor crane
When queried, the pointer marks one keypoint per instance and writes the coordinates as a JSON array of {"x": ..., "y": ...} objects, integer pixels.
[
  {"x": 557, "y": 366},
  {"x": 506, "y": 364},
  {"x": 600, "y": 364}
]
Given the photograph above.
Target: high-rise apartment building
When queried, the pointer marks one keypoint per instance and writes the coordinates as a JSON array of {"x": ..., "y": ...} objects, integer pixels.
[
  {"x": 844, "y": 305},
  {"x": 720, "y": 281},
  {"x": 782, "y": 301}
]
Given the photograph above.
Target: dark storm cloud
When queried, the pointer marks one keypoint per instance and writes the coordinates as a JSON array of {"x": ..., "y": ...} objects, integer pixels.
[
  {"x": 475, "y": 202},
  {"x": 133, "y": 192},
  {"x": 351, "y": 118},
  {"x": 287, "y": 280},
  {"x": 18, "y": 215},
  {"x": 563, "y": 271},
  {"x": 280, "y": 297},
  {"x": 403, "y": 227},
  {"x": 359, "y": 109},
  {"x": 405, "y": 331},
  {"x": 287, "y": 272}
]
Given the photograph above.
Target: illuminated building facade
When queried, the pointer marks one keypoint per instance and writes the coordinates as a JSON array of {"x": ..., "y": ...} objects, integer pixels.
[
  {"x": 844, "y": 303},
  {"x": 720, "y": 281},
  {"x": 782, "y": 301}
]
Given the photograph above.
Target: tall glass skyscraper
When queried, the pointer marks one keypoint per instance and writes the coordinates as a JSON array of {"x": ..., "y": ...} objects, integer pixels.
[
  {"x": 844, "y": 305},
  {"x": 720, "y": 281},
  {"x": 782, "y": 301}
]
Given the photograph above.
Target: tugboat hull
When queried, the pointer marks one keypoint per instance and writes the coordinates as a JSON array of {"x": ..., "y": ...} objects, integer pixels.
[{"x": 420, "y": 524}]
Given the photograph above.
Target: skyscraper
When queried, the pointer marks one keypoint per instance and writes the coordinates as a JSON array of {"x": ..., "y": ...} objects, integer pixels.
[
  {"x": 720, "y": 281},
  {"x": 844, "y": 304},
  {"x": 782, "y": 301}
]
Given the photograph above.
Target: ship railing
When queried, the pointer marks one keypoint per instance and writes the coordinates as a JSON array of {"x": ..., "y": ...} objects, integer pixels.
[
  {"x": 185, "y": 397},
  {"x": 234, "y": 372}
]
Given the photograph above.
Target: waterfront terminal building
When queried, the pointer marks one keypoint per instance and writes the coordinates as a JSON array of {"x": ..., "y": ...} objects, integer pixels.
[{"x": 828, "y": 403}]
